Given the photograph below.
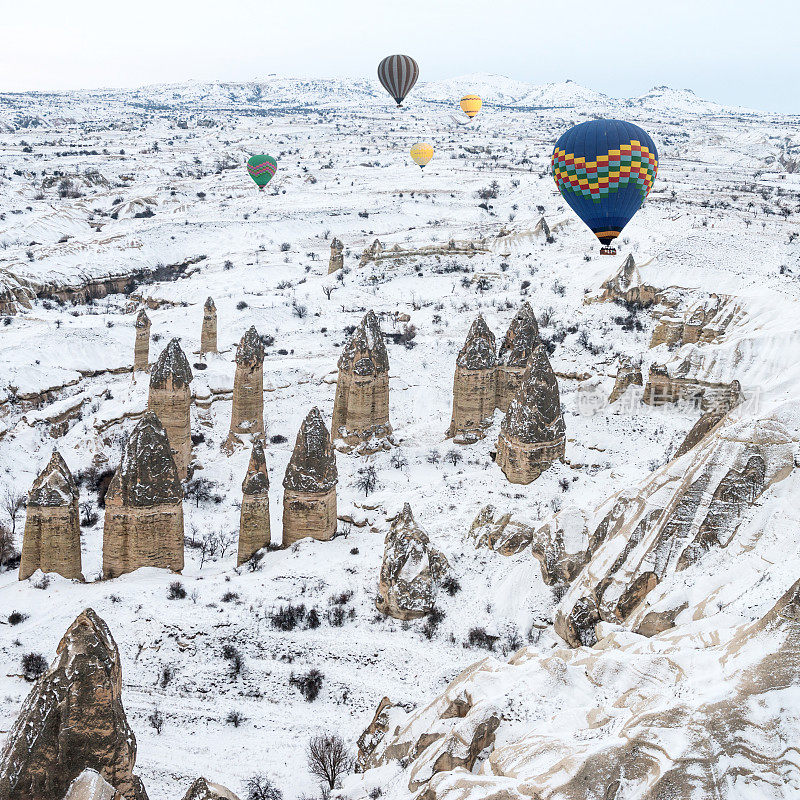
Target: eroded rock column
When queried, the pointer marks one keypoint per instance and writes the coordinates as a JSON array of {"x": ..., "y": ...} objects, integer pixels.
[
  {"x": 208, "y": 334},
  {"x": 337, "y": 258},
  {"x": 532, "y": 435},
  {"x": 171, "y": 400},
  {"x": 247, "y": 414},
  {"x": 361, "y": 408},
  {"x": 411, "y": 570},
  {"x": 144, "y": 505},
  {"x": 141, "y": 347},
  {"x": 254, "y": 529},
  {"x": 309, "y": 497},
  {"x": 52, "y": 538},
  {"x": 73, "y": 720},
  {"x": 516, "y": 354},
  {"x": 474, "y": 385}
]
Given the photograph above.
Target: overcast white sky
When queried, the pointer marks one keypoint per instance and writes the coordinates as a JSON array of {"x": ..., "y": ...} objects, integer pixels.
[{"x": 736, "y": 52}]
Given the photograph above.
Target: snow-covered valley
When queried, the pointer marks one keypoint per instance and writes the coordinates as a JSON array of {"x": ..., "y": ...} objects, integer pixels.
[{"x": 117, "y": 201}]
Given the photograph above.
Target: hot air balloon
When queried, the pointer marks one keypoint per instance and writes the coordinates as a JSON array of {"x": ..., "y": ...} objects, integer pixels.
[
  {"x": 261, "y": 169},
  {"x": 604, "y": 169},
  {"x": 471, "y": 105},
  {"x": 397, "y": 75},
  {"x": 421, "y": 154}
]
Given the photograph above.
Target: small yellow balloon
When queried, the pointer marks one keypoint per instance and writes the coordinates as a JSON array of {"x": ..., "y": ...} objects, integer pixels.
[
  {"x": 421, "y": 154},
  {"x": 471, "y": 104}
]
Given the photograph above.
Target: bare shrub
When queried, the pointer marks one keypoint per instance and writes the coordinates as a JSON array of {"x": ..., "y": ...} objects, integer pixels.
[{"x": 328, "y": 758}]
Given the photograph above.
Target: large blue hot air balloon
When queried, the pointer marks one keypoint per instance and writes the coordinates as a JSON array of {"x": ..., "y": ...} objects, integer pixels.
[{"x": 604, "y": 169}]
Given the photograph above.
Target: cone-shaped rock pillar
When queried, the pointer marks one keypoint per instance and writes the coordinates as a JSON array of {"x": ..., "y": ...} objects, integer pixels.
[
  {"x": 516, "y": 354},
  {"x": 73, "y": 720},
  {"x": 144, "y": 505},
  {"x": 171, "y": 400},
  {"x": 337, "y": 258},
  {"x": 361, "y": 408},
  {"x": 627, "y": 375},
  {"x": 474, "y": 385},
  {"x": 411, "y": 570},
  {"x": 532, "y": 432},
  {"x": 254, "y": 530},
  {"x": 247, "y": 414},
  {"x": 208, "y": 334},
  {"x": 52, "y": 539},
  {"x": 141, "y": 347},
  {"x": 309, "y": 497}
]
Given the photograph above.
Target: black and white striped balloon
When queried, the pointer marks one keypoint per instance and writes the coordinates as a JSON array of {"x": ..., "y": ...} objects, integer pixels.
[{"x": 397, "y": 75}]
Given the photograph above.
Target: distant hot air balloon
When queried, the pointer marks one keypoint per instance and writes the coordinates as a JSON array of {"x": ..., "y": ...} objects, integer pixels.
[
  {"x": 604, "y": 169},
  {"x": 397, "y": 75},
  {"x": 421, "y": 154},
  {"x": 471, "y": 105},
  {"x": 261, "y": 169}
]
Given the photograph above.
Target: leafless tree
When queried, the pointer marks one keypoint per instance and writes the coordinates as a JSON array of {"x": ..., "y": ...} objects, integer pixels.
[
  {"x": 260, "y": 787},
  {"x": 6, "y": 544},
  {"x": 225, "y": 540},
  {"x": 209, "y": 544},
  {"x": 328, "y": 758},
  {"x": 12, "y": 503}
]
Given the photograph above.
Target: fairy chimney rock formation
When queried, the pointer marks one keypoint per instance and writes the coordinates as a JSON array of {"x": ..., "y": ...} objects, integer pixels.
[
  {"x": 254, "y": 530},
  {"x": 247, "y": 414},
  {"x": 411, "y": 570},
  {"x": 208, "y": 334},
  {"x": 361, "y": 408},
  {"x": 141, "y": 347},
  {"x": 144, "y": 505},
  {"x": 627, "y": 286},
  {"x": 52, "y": 538},
  {"x": 71, "y": 721},
  {"x": 309, "y": 497},
  {"x": 516, "y": 354},
  {"x": 474, "y": 385},
  {"x": 337, "y": 257},
  {"x": 627, "y": 375},
  {"x": 532, "y": 433},
  {"x": 171, "y": 400}
]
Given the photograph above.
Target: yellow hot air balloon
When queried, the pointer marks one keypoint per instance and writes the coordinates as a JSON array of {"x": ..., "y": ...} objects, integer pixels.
[
  {"x": 471, "y": 104},
  {"x": 421, "y": 154}
]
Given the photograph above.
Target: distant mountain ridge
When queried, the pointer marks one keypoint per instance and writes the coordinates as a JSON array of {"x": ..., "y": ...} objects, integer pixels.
[{"x": 276, "y": 92}]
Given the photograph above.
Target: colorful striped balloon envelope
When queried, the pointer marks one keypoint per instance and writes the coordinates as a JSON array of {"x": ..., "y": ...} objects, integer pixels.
[
  {"x": 604, "y": 169},
  {"x": 261, "y": 169}
]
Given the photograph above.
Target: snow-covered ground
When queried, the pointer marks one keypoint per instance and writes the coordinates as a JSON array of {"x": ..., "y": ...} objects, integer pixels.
[{"x": 724, "y": 216}]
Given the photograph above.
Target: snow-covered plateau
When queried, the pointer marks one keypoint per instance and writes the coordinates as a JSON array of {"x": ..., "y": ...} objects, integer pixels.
[{"x": 634, "y": 636}]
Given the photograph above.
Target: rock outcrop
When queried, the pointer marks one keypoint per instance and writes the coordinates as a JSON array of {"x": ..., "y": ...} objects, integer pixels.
[
  {"x": 144, "y": 505},
  {"x": 247, "y": 414},
  {"x": 202, "y": 789},
  {"x": 685, "y": 318},
  {"x": 411, "y": 570},
  {"x": 474, "y": 385},
  {"x": 73, "y": 719},
  {"x": 627, "y": 287},
  {"x": 448, "y": 735},
  {"x": 692, "y": 505},
  {"x": 309, "y": 497},
  {"x": 91, "y": 785},
  {"x": 52, "y": 538},
  {"x": 532, "y": 435},
  {"x": 141, "y": 347},
  {"x": 208, "y": 334},
  {"x": 502, "y": 534},
  {"x": 361, "y": 408},
  {"x": 337, "y": 256},
  {"x": 516, "y": 355},
  {"x": 254, "y": 529},
  {"x": 171, "y": 400},
  {"x": 685, "y": 382},
  {"x": 627, "y": 375},
  {"x": 372, "y": 735}
]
